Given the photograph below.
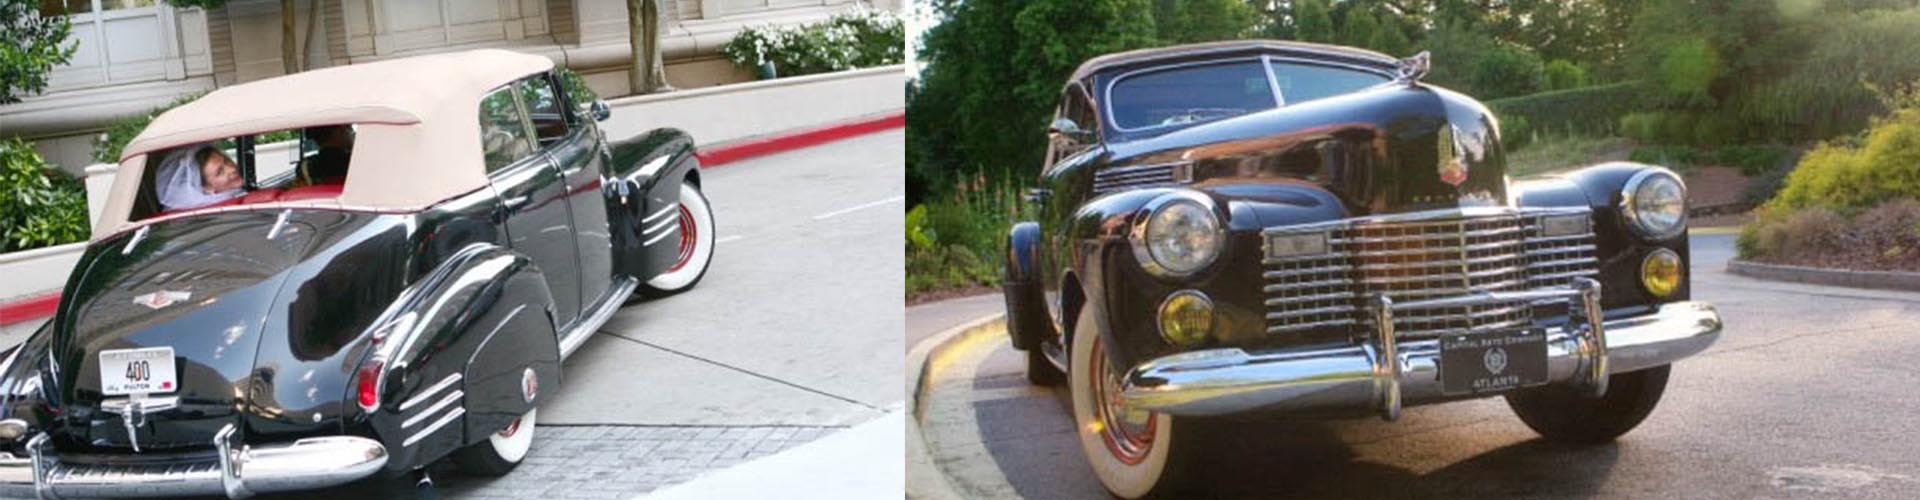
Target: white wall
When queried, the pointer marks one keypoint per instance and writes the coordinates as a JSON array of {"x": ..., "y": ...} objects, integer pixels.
[{"x": 730, "y": 113}]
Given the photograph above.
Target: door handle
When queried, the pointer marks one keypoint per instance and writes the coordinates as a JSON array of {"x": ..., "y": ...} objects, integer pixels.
[{"x": 516, "y": 202}]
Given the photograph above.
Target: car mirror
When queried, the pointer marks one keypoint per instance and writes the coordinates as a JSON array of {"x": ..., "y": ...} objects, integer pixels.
[
  {"x": 1065, "y": 128},
  {"x": 599, "y": 110}
]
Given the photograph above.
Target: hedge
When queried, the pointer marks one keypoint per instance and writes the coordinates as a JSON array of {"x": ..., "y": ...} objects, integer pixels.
[{"x": 1586, "y": 111}]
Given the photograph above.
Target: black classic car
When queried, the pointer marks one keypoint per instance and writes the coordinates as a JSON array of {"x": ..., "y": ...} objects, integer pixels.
[
  {"x": 307, "y": 280},
  {"x": 1262, "y": 229}
]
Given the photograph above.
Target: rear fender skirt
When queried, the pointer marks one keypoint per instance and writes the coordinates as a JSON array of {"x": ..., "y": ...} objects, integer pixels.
[
  {"x": 516, "y": 365},
  {"x": 643, "y": 199},
  {"x": 481, "y": 293}
]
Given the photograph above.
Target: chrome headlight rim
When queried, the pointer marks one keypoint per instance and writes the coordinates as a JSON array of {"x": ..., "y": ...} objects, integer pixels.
[
  {"x": 1142, "y": 251},
  {"x": 1636, "y": 221}
]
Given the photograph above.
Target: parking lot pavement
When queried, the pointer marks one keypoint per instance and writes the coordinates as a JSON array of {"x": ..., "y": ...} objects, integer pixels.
[
  {"x": 792, "y": 335},
  {"x": 1808, "y": 394}
]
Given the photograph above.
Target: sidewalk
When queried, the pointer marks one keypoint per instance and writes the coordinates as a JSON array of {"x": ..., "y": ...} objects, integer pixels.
[{"x": 856, "y": 463}]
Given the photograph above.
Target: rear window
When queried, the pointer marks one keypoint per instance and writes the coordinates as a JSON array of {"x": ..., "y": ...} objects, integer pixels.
[{"x": 283, "y": 165}]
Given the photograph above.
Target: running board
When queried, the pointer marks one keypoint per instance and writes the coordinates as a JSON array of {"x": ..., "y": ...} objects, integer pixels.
[{"x": 586, "y": 325}]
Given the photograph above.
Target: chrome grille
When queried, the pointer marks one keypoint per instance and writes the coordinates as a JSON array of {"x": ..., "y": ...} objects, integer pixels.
[
  {"x": 1163, "y": 174},
  {"x": 1423, "y": 256}
]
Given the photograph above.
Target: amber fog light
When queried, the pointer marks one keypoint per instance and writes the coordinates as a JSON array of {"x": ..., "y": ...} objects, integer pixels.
[
  {"x": 1186, "y": 317},
  {"x": 1660, "y": 272}
]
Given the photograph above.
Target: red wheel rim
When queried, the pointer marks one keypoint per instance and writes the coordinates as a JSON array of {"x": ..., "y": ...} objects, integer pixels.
[
  {"x": 512, "y": 427},
  {"x": 1128, "y": 443},
  {"x": 689, "y": 236}
]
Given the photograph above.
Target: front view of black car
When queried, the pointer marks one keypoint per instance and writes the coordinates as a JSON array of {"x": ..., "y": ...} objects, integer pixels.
[{"x": 1270, "y": 228}]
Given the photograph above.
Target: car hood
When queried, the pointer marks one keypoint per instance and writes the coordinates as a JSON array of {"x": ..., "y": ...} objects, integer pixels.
[
  {"x": 1393, "y": 148},
  {"x": 219, "y": 290}
]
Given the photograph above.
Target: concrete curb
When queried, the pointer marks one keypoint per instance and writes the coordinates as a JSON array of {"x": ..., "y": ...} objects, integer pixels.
[
  {"x": 1882, "y": 280},
  {"x": 925, "y": 480}
]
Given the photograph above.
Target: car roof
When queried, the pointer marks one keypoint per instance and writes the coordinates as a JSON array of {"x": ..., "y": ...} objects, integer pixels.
[
  {"x": 418, "y": 139},
  {"x": 1144, "y": 57}
]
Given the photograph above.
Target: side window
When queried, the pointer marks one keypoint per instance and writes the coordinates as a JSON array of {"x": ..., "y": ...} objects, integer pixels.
[
  {"x": 545, "y": 107},
  {"x": 504, "y": 137}
]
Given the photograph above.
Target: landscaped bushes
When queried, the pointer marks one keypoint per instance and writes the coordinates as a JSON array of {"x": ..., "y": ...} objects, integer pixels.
[
  {"x": 39, "y": 206},
  {"x": 955, "y": 241},
  {"x": 107, "y": 146},
  {"x": 856, "y": 39},
  {"x": 1883, "y": 166},
  {"x": 1587, "y": 111},
  {"x": 1848, "y": 203}
]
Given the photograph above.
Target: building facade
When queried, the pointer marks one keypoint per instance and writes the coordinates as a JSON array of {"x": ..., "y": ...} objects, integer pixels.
[{"x": 134, "y": 55}]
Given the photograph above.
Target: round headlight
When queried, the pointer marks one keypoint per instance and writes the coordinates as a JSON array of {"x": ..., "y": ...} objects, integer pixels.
[
  {"x": 1660, "y": 272},
  {"x": 1179, "y": 235},
  {"x": 1186, "y": 317},
  {"x": 1654, "y": 203}
]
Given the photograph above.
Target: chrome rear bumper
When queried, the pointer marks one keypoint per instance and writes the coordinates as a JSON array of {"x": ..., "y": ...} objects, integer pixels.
[
  {"x": 241, "y": 471},
  {"x": 1230, "y": 380}
]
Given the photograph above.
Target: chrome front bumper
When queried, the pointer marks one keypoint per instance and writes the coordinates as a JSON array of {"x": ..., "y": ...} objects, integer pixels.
[
  {"x": 241, "y": 470},
  {"x": 1230, "y": 380}
]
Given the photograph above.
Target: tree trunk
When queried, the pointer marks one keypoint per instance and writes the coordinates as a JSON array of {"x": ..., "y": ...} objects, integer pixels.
[
  {"x": 647, "y": 72},
  {"x": 289, "y": 46}
]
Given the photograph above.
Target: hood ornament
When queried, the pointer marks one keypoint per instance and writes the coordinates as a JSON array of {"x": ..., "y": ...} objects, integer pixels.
[
  {"x": 1412, "y": 69},
  {"x": 162, "y": 298}
]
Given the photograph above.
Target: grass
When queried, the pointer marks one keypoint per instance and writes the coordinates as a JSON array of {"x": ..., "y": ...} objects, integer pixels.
[{"x": 1550, "y": 154}]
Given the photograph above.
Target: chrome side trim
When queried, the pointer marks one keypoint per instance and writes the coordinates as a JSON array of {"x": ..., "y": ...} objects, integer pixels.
[
  {"x": 656, "y": 215},
  {"x": 664, "y": 222},
  {"x": 585, "y": 326},
  {"x": 431, "y": 410},
  {"x": 428, "y": 393},
  {"x": 279, "y": 223},
  {"x": 663, "y": 234},
  {"x": 437, "y": 424},
  {"x": 138, "y": 235}
]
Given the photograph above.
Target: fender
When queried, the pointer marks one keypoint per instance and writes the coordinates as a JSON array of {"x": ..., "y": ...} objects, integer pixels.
[
  {"x": 1027, "y": 321},
  {"x": 646, "y": 173},
  {"x": 1619, "y": 249},
  {"x": 485, "y": 303}
]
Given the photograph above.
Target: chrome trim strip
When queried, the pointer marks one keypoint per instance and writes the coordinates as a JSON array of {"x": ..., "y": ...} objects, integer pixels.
[
  {"x": 663, "y": 234},
  {"x": 437, "y": 424},
  {"x": 279, "y": 223},
  {"x": 431, "y": 410},
  {"x": 664, "y": 222},
  {"x": 656, "y": 215},
  {"x": 139, "y": 234},
  {"x": 585, "y": 326},
  {"x": 428, "y": 393}
]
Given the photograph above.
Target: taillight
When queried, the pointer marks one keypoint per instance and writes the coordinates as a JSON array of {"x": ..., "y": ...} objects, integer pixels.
[{"x": 370, "y": 375}]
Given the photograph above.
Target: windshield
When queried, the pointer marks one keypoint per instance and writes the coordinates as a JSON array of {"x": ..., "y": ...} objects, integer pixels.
[{"x": 1193, "y": 94}]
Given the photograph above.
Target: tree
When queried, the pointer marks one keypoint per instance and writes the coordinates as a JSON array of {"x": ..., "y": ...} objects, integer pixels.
[
  {"x": 648, "y": 72},
  {"x": 1190, "y": 21},
  {"x": 1359, "y": 28},
  {"x": 1507, "y": 71},
  {"x": 1391, "y": 40},
  {"x": 1313, "y": 21},
  {"x": 31, "y": 45}
]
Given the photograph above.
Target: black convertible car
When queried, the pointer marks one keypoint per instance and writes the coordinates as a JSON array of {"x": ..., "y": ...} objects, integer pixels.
[
  {"x": 1264, "y": 228},
  {"x": 307, "y": 280}
]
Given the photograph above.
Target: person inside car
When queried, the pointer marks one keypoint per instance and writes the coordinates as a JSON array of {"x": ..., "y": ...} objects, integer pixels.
[
  {"x": 329, "y": 164},
  {"x": 196, "y": 176}
]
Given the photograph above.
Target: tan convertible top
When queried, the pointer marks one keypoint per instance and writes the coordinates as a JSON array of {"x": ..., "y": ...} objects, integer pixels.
[{"x": 419, "y": 126}]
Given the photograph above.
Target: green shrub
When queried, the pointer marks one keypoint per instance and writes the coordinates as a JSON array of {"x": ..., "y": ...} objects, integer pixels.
[
  {"x": 1751, "y": 160},
  {"x": 1714, "y": 129},
  {"x": 1809, "y": 230},
  {"x": 1564, "y": 75},
  {"x": 1885, "y": 166},
  {"x": 1676, "y": 157},
  {"x": 107, "y": 146},
  {"x": 39, "y": 206},
  {"x": 955, "y": 241},
  {"x": 1641, "y": 126},
  {"x": 858, "y": 38},
  {"x": 1508, "y": 71},
  {"x": 1515, "y": 133},
  {"x": 1586, "y": 111}
]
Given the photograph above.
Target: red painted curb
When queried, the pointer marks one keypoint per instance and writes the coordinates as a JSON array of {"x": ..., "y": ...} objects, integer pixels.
[
  {"x": 43, "y": 305},
  {"x": 789, "y": 141},
  {"x": 30, "y": 308}
]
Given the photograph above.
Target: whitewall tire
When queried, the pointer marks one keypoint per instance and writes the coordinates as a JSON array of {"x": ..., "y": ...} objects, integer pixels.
[
  {"x": 502, "y": 451},
  {"x": 696, "y": 236},
  {"x": 1134, "y": 454}
]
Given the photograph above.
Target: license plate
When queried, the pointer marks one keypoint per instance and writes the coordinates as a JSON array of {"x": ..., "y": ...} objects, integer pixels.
[
  {"x": 137, "y": 371},
  {"x": 1493, "y": 362}
]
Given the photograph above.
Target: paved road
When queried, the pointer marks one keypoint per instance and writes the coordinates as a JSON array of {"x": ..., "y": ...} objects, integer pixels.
[
  {"x": 792, "y": 335},
  {"x": 1808, "y": 394}
]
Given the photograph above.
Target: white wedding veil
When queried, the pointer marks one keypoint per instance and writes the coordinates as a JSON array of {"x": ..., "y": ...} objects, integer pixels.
[{"x": 179, "y": 184}]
